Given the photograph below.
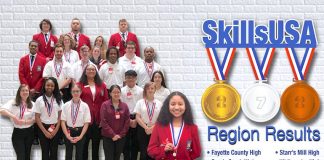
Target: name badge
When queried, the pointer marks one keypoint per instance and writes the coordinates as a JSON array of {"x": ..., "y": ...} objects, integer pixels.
[
  {"x": 117, "y": 115},
  {"x": 39, "y": 68},
  {"x": 51, "y": 128}
]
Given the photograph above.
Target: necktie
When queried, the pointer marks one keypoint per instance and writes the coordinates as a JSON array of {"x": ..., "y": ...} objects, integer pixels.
[
  {"x": 32, "y": 58},
  {"x": 46, "y": 39},
  {"x": 75, "y": 38},
  {"x": 123, "y": 35}
]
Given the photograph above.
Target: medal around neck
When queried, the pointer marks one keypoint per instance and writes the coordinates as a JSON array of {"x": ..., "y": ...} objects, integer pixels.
[
  {"x": 300, "y": 102},
  {"x": 261, "y": 102},
  {"x": 221, "y": 102}
]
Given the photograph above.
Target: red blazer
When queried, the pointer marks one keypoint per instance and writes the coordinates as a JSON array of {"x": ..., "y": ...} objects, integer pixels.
[
  {"x": 94, "y": 105},
  {"x": 116, "y": 40},
  {"x": 46, "y": 50},
  {"x": 34, "y": 78},
  {"x": 188, "y": 147},
  {"x": 83, "y": 40}
]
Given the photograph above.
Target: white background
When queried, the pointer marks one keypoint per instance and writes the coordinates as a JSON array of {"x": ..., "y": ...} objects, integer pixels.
[{"x": 173, "y": 28}]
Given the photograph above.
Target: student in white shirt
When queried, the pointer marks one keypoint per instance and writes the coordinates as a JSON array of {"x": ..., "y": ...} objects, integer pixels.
[
  {"x": 161, "y": 90},
  {"x": 130, "y": 94},
  {"x": 145, "y": 69},
  {"x": 147, "y": 110},
  {"x": 129, "y": 61},
  {"x": 47, "y": 115},
  {"x": 112, "y": 72},
  {"x": 19, "y": 110},
  {"x": 75, "y": 119},
  {"x": 61, "y": 70},
  {"x": 78, "y": 67},
  {"x": 68, "y": 43}
]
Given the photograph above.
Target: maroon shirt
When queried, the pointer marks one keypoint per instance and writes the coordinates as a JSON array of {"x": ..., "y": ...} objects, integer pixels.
[{"x": 110, "y": 125}]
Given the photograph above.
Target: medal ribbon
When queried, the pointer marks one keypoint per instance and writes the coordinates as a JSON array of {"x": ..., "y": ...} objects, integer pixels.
[
  {"x": 176, "y": 141},
  {"x": 74, "y": 112},
  {"x": 300, "y": 69},
  {"x": 49, "y": 107},
  {"x": 220, "y": 69},
  {"x": 67, "y": 56},
  {"x": 58, "y": 71},
  {"x": 150, "y": 110},
  {"x": 22, "y": 110},
  {"x": 148, "y": 69},
  {"x": 260, "y": 70}
]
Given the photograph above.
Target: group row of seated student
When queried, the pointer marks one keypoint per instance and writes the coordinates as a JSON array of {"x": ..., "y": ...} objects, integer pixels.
[{"x": 166, "y": 131}]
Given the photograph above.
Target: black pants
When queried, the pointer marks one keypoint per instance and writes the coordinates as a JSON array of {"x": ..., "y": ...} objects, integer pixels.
[
  {"x": 48, "y": 146},
  {"x": 79, "y": 146},
  {"x": 143, "y": 140},
  {"x": 33, "y": 98},
  {"x": 131, "y": 145},
  {"x": 113, "y": 149},
  {"x": 93, "y": 133},
  {"x": 22, "y": 140}
]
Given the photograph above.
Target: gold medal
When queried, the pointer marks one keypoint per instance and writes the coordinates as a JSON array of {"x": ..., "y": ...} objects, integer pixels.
[
  {"x": 221, "y": 102},
  {"x": 300, "y": 102}
]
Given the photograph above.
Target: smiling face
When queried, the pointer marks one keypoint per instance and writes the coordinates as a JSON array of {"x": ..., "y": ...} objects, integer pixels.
[
  {"x": 58, "y": 53},
  {"x": 112, "y": 57},
  {"x": 149, "y": 54},
  {"x": 96, "y": 52},
  {"x": 67, "y": 41},
  {"x": 24, "y": 92},
  {"x": 115, "y": 94},
  {"x": 45, "y": 27},
  {"x": 91, "y": 71},
  {"x": 98, "y": 41},
  {"x": 33, "y": 47},
  {"x": 49, "y": 87},
  {"x": 177, "y": 106}
]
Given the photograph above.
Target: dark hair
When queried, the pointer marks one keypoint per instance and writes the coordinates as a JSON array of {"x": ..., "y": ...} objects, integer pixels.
[
  {"x": 76, "y": 85},
  {"x": 18, "y": 97},
  {"x": 162, "y": 76},
  {"x": 56, "y": 92},
  {"x": 146, "y": 86},
  {"x": 108, "y": 52},
  {"x": 165, "y": 117},
  {"x": 32, "y": 41},
  {"x": 47, "y": 21},
  {"x": 130, "y": 43},
  {"x": 113, "y": 87},
  {"x": 122, "y": 20},
  {"x": 58, "y": 45},
  {"x": 84, "y": 78},
  {"x": 131, "y": 73}
]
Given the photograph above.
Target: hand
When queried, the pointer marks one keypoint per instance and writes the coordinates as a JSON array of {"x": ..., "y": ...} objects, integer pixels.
[
  {"x": 76, "y": 139},
  {"x": 147, "y": 131},
  {"x": 116, "y": 137},
  {"x": 48, "y": 135},
  {"x": 18, "y": 121},
  {"x": 70, "y": 138},
  {"x": 168, "y": 147}
]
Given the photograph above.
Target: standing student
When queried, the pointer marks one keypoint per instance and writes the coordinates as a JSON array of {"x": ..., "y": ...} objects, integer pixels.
[
  {"x": 79, "y": 38},
  {"x": 70, "y": 55},
  {"x": 75, "y": 120},
  {"x": 114, "y": 123},
  {"x": 100, "y": 42},
  {"x": 46, "y": 40},
  {"x": 130, "y": 60},
  {"x": 161, "y": 90},
  {"x": 47, "y": 115},
  {"x": 79, "y": 66},
  {"x": 145, "y": 69},
  {"x": 175, "y": 136},
  {"x": 147, "y": 110},
  {"x": 120, "y": 38},
  {"x": 61, "y": 70},
  {"x": 130, "y": 94},
  {"x": 94, "y": 93},
  {"x": 112, "y": 72},
  {"x": 20, "y": 113}
]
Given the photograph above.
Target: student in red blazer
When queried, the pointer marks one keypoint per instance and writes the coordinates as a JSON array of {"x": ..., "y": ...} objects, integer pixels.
[
  {"x": 46, "y": 40},
  {"x": 80, "y": 39},
  {"x": 119, "y": 39},
  {"x": 175, "y": 136},
  {"x": 94, "y": 93},
  {"x": 31, "y": 70}
]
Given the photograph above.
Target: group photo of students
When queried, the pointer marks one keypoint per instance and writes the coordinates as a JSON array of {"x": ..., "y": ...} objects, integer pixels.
[{"x": 77, "y": 94}]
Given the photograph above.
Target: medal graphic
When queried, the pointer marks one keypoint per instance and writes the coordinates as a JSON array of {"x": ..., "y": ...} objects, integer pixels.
[
  {"x": 220, "y": 102},
  {"x": 261, "y": 102},
  {"x": 300, "y": 102}
]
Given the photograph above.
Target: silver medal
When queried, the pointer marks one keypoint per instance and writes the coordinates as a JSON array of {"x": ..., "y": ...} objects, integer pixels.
[{"x": 261, "y": 102}]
